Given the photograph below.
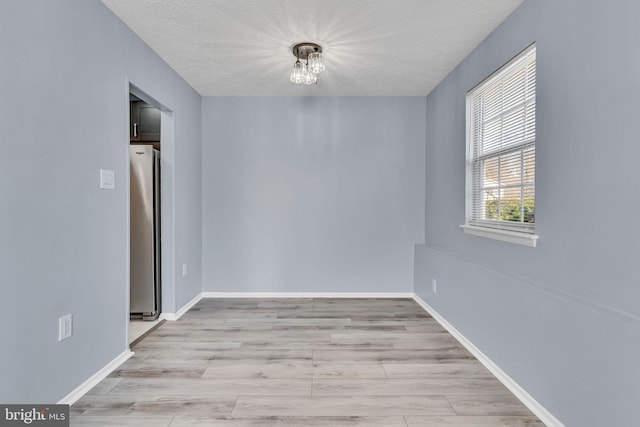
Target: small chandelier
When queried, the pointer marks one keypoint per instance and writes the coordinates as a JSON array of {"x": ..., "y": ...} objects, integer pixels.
[{"x": 307, "y": 73}]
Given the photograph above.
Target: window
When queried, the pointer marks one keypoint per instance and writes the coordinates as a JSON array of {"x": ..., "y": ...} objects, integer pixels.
[{"x": 501, "y": 153}]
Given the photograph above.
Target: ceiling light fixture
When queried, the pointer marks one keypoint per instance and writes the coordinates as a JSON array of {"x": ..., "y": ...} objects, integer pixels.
[{"x": 307, "y": 73}]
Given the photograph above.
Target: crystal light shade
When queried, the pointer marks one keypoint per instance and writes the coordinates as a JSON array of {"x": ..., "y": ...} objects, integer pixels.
[
  {"x": 315, "y": 62},
  {"x": 309, "y": 77},
  {"x": 307, "y": 73},
  {"x": 298, "y": 73}
]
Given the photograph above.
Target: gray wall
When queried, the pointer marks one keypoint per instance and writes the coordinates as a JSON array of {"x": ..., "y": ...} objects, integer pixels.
[
  {"x": 562, "y": 319},
  {"x": 63, "y": 246},
  {"x": 312, "y": 194}
]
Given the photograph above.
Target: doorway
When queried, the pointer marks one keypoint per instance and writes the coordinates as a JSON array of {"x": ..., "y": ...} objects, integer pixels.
[
  {"x": 145, "y": 281},
  {"x": 150, "y": 226}
]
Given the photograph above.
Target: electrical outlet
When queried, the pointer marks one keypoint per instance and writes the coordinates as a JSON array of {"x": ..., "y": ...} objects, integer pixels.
[
  {"x": 434, "y": 286},
  {"x": 184, "y": 270},
  {"x": 65, "y": 327}
]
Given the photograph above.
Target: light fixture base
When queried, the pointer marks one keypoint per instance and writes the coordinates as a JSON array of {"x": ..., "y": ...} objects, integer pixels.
[{"x": 302, "y": 50}]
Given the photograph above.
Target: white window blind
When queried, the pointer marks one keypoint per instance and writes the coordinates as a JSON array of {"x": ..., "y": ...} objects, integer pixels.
[{"x": 501, "y": 148}]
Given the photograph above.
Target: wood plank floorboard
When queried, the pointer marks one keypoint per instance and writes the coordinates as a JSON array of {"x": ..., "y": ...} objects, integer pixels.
[
  {"x": 280, "y": 421},
  {"x": 290, "y": 371},
  {"x": 301, "y": 362},
  {"x": 409, "y": 387},
  {"x": 466, "y": 371},
  {"x": 342, "y": 405},
  {"x": 471, "y": 421}
]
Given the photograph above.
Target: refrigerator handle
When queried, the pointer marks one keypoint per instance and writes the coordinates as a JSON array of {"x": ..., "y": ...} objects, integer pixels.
[{"x": 135, "y": 130}]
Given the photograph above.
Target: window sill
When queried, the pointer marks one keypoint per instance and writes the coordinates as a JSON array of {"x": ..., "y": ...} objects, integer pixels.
[{"x": 524, "y": 239}]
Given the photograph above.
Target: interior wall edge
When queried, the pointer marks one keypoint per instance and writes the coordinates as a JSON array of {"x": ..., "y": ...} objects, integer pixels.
[
  {"x": 541, "y": 287},
  {"x": 307, "y": 295}
]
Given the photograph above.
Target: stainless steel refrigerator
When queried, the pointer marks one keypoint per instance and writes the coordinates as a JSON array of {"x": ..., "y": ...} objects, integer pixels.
[{"x": 145, "y": 232}]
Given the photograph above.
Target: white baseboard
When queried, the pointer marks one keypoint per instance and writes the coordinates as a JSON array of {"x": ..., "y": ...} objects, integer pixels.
[
  {"x": 183, "y": 310},
  {"x": 534, "y": 406},
  {"x": 307, "y": 295},
  {"x": 167, "y": 316},
  {"x": 83, "y": 388}
]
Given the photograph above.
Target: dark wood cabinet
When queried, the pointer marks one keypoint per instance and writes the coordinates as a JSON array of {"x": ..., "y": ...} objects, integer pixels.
[{"x": 144, "y": 123}]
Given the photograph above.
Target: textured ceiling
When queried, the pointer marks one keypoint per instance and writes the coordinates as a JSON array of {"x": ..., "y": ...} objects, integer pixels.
[{"x": 371, "y": 47}]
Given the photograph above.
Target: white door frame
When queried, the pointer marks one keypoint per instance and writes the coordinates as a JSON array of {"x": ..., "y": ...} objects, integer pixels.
[{"x": 167, "y": 204}]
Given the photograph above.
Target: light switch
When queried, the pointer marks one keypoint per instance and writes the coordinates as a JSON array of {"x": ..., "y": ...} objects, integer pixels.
[{"x": 107, "y": 179}]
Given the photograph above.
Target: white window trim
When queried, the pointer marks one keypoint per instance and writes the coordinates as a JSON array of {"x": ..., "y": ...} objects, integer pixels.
[{"x": 519, "y": 238}]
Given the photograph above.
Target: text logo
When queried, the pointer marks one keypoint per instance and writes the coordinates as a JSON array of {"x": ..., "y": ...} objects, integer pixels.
[{"x": 34, "y": 415}]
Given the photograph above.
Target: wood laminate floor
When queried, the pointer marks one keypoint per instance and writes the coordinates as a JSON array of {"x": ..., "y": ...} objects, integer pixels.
[{"x": 301, "y": 362}]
